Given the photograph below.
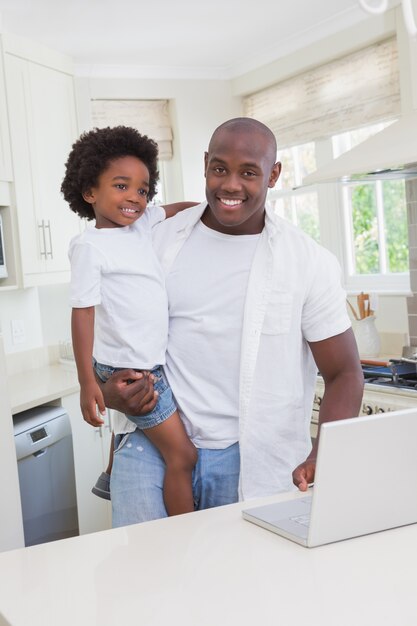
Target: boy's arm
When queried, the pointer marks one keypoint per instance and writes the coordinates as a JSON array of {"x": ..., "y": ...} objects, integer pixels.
[
  {"x": 82, "y": 328},
  {"x": 174, "y": 208}
]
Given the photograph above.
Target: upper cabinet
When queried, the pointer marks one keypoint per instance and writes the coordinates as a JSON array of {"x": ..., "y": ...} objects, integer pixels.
[
  {"x": 5, "y": 156},
  {"x": 42, "y": 122}
]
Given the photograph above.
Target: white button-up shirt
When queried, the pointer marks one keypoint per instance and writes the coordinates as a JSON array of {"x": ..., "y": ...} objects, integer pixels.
[{"x": 294, "y": 296}]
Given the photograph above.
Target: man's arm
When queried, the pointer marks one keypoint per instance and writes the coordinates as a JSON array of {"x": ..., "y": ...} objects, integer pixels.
[
  {"x": 338, "y": 362},
  {"x": 174, "y": 208}
]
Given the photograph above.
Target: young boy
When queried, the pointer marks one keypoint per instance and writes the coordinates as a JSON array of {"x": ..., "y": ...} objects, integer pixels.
[{"x": 120, "y": 310}]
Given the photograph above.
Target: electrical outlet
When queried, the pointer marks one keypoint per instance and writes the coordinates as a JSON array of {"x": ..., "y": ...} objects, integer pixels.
[{"x": 18, "y": 331}]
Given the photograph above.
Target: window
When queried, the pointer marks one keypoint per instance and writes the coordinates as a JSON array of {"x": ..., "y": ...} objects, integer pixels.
[
  {"x": 376, "y": 226},
  {"x": 297, "y": 205},
  {"x": 370, "y": 218},
  {"x": 364, "y": 224},
  {"x": 159, "y": 197},
  {"x": 346, "y": 141},
  {"x": 149, "y": 117},
  {"x": 358, "y": 89}
]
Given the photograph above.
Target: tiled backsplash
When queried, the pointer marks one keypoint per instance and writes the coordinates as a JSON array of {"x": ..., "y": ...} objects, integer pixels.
[{"x": 392, "y": 344}]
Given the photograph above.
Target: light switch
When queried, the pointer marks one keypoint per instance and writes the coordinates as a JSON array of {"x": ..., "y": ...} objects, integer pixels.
[{"x": 18, "y": 331}]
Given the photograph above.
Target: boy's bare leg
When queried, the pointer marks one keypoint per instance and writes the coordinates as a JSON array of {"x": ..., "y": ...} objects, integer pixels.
[
  {"x": 180, "y": 457},
  {"x": 110, "y": 464}
]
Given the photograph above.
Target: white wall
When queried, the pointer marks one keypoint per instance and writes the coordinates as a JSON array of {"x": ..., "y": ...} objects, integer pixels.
[
  {"x": 23, "y": 305},
  {"x": 45, "y": 314},
  {"x": 55, "y": 313}
]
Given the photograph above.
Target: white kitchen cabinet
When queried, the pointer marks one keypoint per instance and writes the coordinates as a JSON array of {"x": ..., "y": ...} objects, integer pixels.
[
  {"x": 5, "y": 155},
  {"x": 91, "y": 452},
  {"x": 42, "y": 120}
]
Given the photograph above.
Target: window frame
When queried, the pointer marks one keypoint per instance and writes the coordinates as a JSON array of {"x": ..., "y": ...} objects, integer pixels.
[
  {"x": 336, "y": 231},
  {"x": 383, "y": 281}
]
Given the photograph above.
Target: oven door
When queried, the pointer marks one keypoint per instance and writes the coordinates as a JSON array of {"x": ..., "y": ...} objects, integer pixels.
[{"x": 376, "y": 399}]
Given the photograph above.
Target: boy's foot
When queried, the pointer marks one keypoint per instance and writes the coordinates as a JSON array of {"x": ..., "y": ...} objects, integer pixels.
[{"x": 102, "y": 486}]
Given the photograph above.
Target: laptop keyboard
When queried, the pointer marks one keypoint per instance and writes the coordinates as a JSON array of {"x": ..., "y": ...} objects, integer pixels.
[{"x": 304, "y": 520}]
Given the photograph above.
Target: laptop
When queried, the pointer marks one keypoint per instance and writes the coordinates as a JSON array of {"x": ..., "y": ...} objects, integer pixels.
[{"x": 365, "y": 481}]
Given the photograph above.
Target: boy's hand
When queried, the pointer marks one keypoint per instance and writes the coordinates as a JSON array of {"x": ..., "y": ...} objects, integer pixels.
[{"x": 91, "y": 399}]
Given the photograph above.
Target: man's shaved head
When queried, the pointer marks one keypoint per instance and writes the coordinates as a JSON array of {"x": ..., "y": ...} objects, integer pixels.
[{"x": 250, "y": 126}]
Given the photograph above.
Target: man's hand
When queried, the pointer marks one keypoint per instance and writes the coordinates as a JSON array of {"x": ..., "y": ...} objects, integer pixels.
[
  {"x": 91, "y": 399},
  {"x": 130, "y": 392},
  {"x": 303, "y": 475},
  {"x": 338, "y": 361}
]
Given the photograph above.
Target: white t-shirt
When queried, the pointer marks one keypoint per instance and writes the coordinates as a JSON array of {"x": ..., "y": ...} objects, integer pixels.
[
  {"x": 293, "y": 296},
  {"x": 206, "y": 292},
  {"x": 116, "y": 271}
]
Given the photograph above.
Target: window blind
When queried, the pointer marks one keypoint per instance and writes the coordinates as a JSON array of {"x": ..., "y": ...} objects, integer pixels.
[
  {"x": 356, "y": 90},
  {"x": 149, "y": 117}
]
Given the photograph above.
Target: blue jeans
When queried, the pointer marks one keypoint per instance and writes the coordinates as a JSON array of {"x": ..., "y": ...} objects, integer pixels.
[{"x": 138, "y": 473}]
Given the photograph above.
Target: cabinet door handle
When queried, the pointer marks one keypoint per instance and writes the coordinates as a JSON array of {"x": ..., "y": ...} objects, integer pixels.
[
  {"x": 41, "y": 226},
  {"x": 48, "y": 227}
]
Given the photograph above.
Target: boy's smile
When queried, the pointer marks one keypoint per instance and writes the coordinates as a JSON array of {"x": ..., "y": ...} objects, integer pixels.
[{"x": 121, "y": 194}]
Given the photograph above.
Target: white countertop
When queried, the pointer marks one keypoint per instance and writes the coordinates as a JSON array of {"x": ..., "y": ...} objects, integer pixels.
[
  {"x": 51, "y": 382},
  {"x": 210, "y": 568},
  {"x": 38, "y": 386}
]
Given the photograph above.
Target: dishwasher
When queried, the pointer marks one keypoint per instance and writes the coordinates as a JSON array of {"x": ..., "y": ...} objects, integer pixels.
[{"x": 45, "y": 464}]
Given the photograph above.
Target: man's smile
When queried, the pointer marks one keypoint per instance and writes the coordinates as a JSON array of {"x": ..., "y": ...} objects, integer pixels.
[{"x": 231, "y": 202}]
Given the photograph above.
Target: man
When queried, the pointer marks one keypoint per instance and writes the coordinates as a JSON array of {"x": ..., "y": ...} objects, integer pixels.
[{"x": 256, "y": 307}]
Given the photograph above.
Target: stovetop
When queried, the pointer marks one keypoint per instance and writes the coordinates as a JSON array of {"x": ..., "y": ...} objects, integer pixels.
[
  {"x": 402, "y": 383},
  {"x": 396, "y": 374}
]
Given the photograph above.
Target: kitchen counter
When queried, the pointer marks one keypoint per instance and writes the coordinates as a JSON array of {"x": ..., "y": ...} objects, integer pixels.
[
  {"x": 39, "y": 386},
  {"x": 210, "y": 568},
  {"x": 51, "y": 382}
]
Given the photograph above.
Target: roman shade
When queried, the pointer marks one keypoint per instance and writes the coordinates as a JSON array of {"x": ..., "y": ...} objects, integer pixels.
[
  {"x": 356, "y": 90},
  {"x": 149, "y": 117}
]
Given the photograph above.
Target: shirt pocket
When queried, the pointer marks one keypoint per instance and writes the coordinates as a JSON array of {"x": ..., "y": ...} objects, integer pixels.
[{"x": 277, "y": 320}]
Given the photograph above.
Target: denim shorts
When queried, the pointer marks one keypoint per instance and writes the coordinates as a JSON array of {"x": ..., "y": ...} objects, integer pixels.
[{"x": 164, "y": 407}]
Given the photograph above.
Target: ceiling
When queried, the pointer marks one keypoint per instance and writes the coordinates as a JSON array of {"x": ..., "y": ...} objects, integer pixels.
[{"x": 177, "y": 38}]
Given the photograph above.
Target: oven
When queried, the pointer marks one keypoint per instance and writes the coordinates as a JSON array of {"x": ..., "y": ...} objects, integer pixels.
[{"x": 392, "y": 387}]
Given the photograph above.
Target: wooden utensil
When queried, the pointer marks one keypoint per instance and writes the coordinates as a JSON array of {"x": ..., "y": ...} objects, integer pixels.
[
  {"x": 355, "y": 315},
  {"x": 361, "y": 305}
]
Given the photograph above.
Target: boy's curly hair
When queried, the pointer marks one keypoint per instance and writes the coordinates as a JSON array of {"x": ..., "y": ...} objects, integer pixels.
[{"x": 92, "y": 153}]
